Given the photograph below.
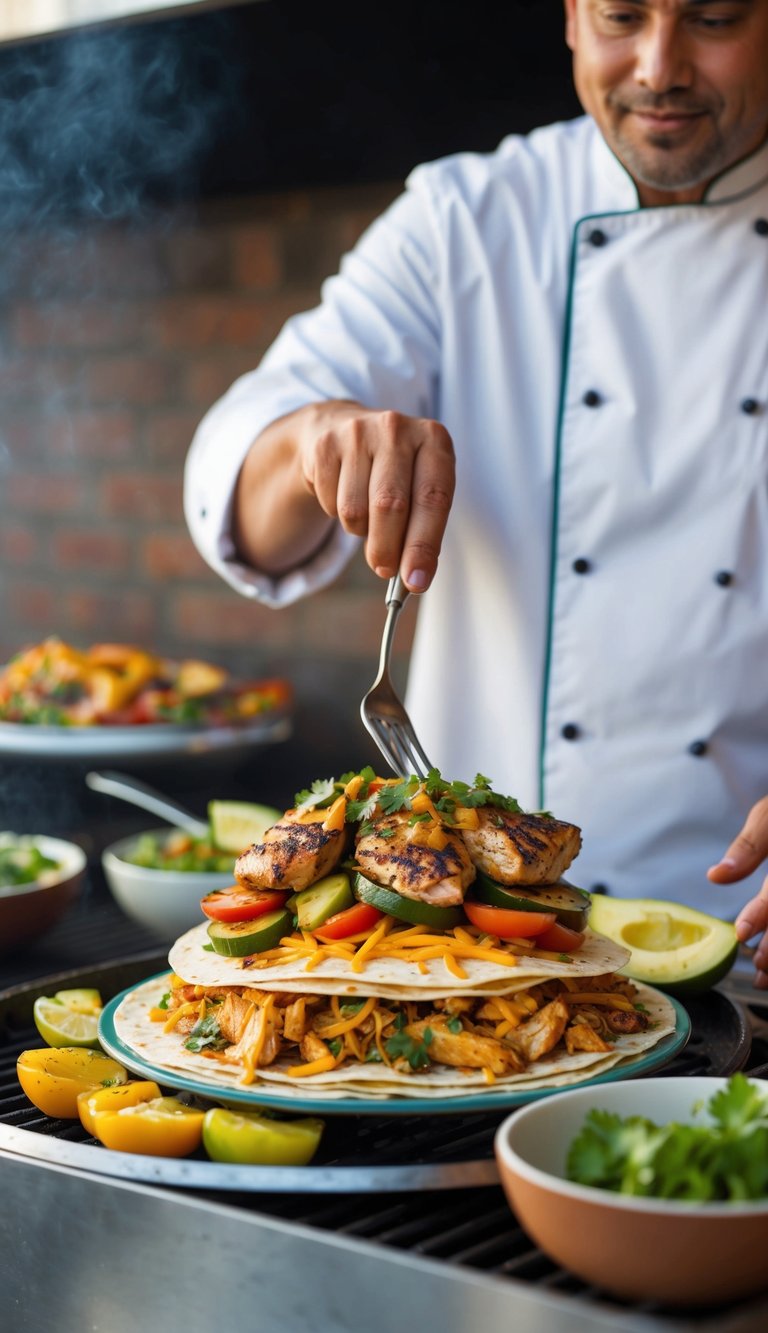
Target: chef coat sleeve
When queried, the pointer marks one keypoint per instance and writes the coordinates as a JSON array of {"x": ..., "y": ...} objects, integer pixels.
[{"x": 374, "y": 338}]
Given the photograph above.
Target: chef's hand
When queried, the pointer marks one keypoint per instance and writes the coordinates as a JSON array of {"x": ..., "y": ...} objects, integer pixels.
[
  {"x": 385, "y": 477},
  {"x": 748, "y": 851}
]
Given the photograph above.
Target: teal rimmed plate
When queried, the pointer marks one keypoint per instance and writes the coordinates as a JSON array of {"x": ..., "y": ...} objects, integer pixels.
[{"x": 270, "y": 1096}]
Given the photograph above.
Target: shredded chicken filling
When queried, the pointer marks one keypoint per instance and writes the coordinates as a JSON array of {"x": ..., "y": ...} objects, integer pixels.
[{"x": 498, "y": 1034}]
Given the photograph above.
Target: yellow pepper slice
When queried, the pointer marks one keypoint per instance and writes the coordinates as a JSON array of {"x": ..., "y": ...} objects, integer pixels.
[
  {"x": 159, "y": 1127},
  {"x": 90, "y": 1104},
  {"x": 53, "y": 1077}
]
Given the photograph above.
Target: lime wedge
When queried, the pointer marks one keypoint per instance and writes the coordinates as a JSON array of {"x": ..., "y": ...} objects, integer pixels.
[
  {"x": 60, "y": 1026},
  {"x": 83, "y": 1001},
  {"x": 236, "y": 824}
]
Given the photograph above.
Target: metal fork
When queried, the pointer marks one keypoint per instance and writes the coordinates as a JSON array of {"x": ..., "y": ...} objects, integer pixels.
[{"x": 382, "y": 711}]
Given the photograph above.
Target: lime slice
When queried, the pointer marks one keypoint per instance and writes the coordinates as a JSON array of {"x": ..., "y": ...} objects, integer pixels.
[
  {"x": 61, "y": 1026},
  {"x": 82, "y": 1001},
  {"x": 236, "y": 824}
]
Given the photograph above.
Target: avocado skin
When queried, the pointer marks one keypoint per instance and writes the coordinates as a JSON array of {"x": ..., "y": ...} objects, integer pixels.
[
  {"x": 668, "y": 971},
  {"x": 705, "y": 981}
]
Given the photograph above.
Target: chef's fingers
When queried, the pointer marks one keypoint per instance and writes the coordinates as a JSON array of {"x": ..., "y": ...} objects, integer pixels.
[
  {"x": 390, "y": 490},
  {"x": 753, "y": 920},
  {"x": 432, "y": 488},
  {"x": 322, "y": 469},
  {"x": 747, "y": 851}
]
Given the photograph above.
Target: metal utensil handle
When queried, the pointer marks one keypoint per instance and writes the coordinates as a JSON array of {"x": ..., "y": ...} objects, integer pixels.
[
  {"x": 397, "y": 593},
  {"x": 138, "y": 793}
]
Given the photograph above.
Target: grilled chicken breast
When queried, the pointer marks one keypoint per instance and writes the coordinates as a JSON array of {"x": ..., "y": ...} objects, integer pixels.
[
  {"x": 515, "y": 848},
  {"x": 388, "y": 855},
  {"x": 292, "y": 856}
]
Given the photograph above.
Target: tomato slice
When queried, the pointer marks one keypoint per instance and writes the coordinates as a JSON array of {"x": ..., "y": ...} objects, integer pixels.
[
  {"x": 239, "y": 904},
  {"x": 507, "y": 924},
  {"x": 351, "y": 921},
  {"x": 560, "y": 939}
]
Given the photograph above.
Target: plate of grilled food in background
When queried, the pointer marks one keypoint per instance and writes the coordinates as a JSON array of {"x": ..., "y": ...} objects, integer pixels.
[
  {"x": 396, "y": 945},
  {"x": 119, "y": 700}
]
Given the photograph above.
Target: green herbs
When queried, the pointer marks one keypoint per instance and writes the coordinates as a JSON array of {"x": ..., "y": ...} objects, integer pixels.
[
  {"x": 22, "y": 862},
  {"x": 724, "y": 1160},
  {"x": 375, "y": 798},
  {"x": 447, "y": 795},
  {"x": 206, "y": 1032},
  {"x": 410, "y": 1049},
  {"x": 317, "y": 797}
]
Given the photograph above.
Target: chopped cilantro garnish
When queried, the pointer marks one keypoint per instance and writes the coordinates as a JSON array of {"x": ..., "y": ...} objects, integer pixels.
[
  {"x": 334, "y": 1045},
  {"x": 454, "y": 1024},
  {"x": 164, "y": 1002},
  {"x": 397, "y": 795},
  {"x": 320, "y": 794},
  {"x": 410, "y": 1049},
  {"x": 206, "y": 1032}
]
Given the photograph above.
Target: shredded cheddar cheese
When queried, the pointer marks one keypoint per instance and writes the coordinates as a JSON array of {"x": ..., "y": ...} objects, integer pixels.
[{"x": 320, "y": 1066}]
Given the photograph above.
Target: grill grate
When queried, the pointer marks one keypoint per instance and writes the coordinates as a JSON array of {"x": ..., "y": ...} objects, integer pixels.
[{"x": 467, "y": 1227}]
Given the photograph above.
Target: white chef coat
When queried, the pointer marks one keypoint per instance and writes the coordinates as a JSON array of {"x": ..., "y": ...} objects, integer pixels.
[{"x": 596, "y": 638}]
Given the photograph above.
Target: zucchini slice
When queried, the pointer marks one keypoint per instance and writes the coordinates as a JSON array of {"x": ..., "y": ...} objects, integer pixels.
[
  {"x": 237, "y": 939},
  {"x": 406, "y": 909}
]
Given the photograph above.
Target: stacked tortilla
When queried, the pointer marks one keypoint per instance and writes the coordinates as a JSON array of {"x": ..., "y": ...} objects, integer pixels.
[{"x": 431, "y": 1000}]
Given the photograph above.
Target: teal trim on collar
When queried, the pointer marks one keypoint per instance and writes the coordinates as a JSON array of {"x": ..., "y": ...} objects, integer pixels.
[{"x": 555, "y": 512}]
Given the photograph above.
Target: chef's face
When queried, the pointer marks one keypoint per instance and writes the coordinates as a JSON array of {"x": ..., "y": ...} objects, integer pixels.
[{"x": 679, "y": 88}]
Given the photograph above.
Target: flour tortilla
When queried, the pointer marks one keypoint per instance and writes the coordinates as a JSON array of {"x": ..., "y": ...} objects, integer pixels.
[
  {"x": 165, "y": 1050},
  {"x": 390, "y": 978}
]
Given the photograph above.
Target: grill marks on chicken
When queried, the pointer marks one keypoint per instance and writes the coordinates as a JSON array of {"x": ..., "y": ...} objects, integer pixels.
[
  {"x": 292, "y": 856},
  {"x": 512, "y": 847},
  {"x": 389, "y": 856},
  {"x": 517, "y": 848}
]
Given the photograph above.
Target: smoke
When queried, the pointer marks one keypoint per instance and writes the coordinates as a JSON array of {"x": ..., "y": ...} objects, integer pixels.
[{"x": 100, "y": 124}]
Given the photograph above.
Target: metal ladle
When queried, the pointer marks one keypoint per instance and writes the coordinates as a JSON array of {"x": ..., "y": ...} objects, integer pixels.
[{"x": 138, "y": 793}]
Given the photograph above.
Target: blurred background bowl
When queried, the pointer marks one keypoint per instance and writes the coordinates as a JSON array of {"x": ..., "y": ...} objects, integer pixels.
[
  {"x": 27, "y": 911},
  {"x": 167, "y": 902},
  {"x": 638, "y": 1248}
]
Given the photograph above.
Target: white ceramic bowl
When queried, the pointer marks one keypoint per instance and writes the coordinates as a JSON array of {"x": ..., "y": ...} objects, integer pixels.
[
  {"x": 27, "y": 911},
  {"x": 638, "y": 1248},
  {"x": 167, "y": 902}
]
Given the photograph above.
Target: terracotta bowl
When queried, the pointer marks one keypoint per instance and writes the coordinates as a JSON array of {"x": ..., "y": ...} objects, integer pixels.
[
  {"x": 27, "y": 911},
  {"x": 640, "y": 1249},
  {"x": 167, "y": 902}
]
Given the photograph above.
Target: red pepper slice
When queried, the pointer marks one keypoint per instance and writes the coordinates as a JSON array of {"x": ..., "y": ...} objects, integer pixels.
[{"x": 352, "y": 921}]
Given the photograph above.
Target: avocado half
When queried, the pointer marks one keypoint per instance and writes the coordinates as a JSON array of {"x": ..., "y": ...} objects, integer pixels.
[{"x": 673, "y": 947}]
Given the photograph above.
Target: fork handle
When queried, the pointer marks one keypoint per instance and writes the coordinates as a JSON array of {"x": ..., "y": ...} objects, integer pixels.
[{"x": 396, "y": 591}]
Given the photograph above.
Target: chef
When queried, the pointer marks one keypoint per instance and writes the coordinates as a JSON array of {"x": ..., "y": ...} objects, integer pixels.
[{"x": 548, "y": 366}]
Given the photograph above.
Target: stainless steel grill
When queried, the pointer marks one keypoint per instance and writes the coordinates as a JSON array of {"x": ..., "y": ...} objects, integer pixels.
[{"x": 400, "y": 1222}]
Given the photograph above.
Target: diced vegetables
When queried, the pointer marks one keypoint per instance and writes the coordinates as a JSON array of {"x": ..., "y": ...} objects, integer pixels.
[{"x": 326, "y": 898}]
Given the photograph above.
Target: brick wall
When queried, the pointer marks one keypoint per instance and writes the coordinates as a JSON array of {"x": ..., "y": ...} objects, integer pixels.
[{"x": 114, "y": 341}]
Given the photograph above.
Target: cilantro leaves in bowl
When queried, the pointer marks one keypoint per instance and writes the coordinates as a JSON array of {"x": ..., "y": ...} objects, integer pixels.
[{"x": 725, "y": 1158}]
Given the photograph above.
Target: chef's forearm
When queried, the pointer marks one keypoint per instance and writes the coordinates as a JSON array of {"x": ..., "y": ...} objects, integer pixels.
[{"x": 278, "y": 523}]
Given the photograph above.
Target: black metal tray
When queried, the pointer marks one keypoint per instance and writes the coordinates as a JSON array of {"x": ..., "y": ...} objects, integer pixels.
[{"x": 358, "y": 1153}]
